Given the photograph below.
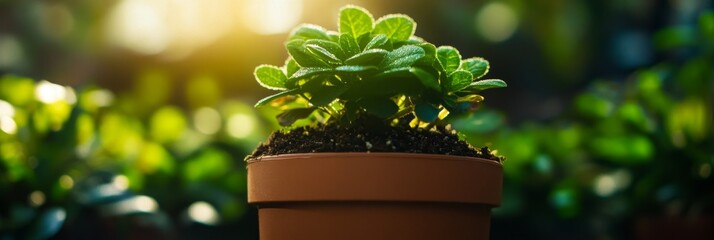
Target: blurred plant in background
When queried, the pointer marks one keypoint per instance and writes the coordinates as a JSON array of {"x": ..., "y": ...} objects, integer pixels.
[
  {"x": 626, "y": 152},
  {"x": 69, "y": 156}
]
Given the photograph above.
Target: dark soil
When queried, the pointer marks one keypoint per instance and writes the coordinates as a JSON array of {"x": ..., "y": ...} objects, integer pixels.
[{"x": 369, "y": 135}]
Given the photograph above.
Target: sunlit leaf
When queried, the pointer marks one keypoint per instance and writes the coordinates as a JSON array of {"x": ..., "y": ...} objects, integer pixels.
[
  {"x": 397, "y": 27},
  {"x": 371, "y": 57},
  {"x": 302, "y": 56},
  {"x": 270, "y": 77},
  {"x": 449, "y": 58},
  {"x": 457, "y": 80},
  {"x": 477, "y": 66},
  {"x": 355, "y": 21},
  {"x": 401, "y": 57},
  {"x": 377, "y": 42},
  {"x": 486, "y": 84},
  {"x": 308, "y": 31}
]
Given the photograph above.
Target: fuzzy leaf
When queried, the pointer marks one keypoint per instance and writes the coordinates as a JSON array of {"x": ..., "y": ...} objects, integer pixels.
[
  {"x": 426, "y": 78},
  {"x": 458, "y": 80},
  {"x": 276, "y": 96},
  {"x": 486, "y": 84},
  {"x": 349, "y": 45},
  {"x": 309, "y": 72},
  {"x": 370, "y": 57},
  {"x": 302, "y": 56},
  {"x": 429, "y": 54},
  {"x": 380, "y": 107},
  {"x": 377, "y": 42},
  {"x": 426, "y": 112},
  {"x": 449, "y": 58},
  {"x": 330, "y": 46},
  {"x": 333, "y": 36},
  {"x": 477, "y": 66},
  {"x": 355, "y": 21},
  {"x": 308, "y": 31},
  {"x": 270, "y": 77},
  {"x": 323, "y": 54},
  {"x": 401, "y": 57},
  {"x": 288, "y": 117},
  {"x": 397, "y": 27},
  {"x": 355, "y": 68},
  {"x": 290, "y": 67}
]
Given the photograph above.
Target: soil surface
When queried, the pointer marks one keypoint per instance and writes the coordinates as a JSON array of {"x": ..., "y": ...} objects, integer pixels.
[{"x": 369, "y": 135}]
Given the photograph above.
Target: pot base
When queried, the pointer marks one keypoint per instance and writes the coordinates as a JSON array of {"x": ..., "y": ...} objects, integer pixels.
[{"x": 373, "y": 220}]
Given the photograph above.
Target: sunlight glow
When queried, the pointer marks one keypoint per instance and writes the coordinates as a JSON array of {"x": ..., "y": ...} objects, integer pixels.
[
  {"x": 137, "y": 204},
  {"x": 203, "y": 212},
  {"x": 37, "y": 198},
  {"x": 605, "y": 185},
  {"x": 207, "y": 120},
  {"x": 272, "y": 16},
  {"x": 496, "y": 21},
  {"x": 49, "y": 93},
  {"x": 8, "y": 125},
  {"x": 240, "y": 125},
  {"x": 66, "y": 182},
  {"x": 120, "y": 182},
  {"x": 173, "y": 28}
]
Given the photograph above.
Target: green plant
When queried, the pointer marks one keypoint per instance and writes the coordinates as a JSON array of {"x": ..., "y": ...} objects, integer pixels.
[{"x": 374, "y": 67}]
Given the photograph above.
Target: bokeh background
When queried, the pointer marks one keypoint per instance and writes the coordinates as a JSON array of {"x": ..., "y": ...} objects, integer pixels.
[{"x": 130, "y": 119}]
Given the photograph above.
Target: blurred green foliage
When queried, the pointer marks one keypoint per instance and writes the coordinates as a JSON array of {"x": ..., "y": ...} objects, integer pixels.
[
  {"x": 54, "y": 138},
  {"x": 628, "y": 148}
]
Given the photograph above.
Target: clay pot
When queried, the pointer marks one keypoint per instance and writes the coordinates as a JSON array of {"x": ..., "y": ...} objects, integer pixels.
[{"x": 373, "y": 196}]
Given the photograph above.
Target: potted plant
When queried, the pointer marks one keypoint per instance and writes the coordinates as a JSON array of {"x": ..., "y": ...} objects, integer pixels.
[{"x": 380, "y": 160}]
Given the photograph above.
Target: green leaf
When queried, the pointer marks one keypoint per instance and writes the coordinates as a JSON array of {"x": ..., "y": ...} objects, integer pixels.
[
  {"x": 449, "y": 58},
  {"x": 486, "y": 84},
  {"x": 380, "y": 107},
  {"x": 477, "y": 66},
  {"x": 401, "y": 57},
  {"x": 397, "y": 27},
  {"x": 349, "y": 45},
  {"x": 333, "y": 36},
  {"x": 355, "y": 21},
  {"x": 426, "y": 78},
  {"x": 270, "y": 98},
  {"x": 458, "y": 80},
  {"x": 307, "y": 72},
  {"x": 429, "y": 54},
  {"x": 288, "y": 117},
  {"x": 302, "y": 56},
  {"x": 323, "y": 54},
  {"x": 308, "y": 31},
  {"x": 355, "y": 68},
  {"x": 426, "y": 112},
  {"x": 270, "y": 77},
  {"x": 291, "y": 66},
  {"x": 377, "y": 42},
  {"x": 370, "y": 57},
  {"x": 330, "y": 46},
  {"x": 326, "y": 94}
]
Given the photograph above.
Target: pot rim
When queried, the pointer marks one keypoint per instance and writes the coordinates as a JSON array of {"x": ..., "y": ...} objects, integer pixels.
[
  {"x": 368, "y": 176},
  {"x": 424, "y": 156}
]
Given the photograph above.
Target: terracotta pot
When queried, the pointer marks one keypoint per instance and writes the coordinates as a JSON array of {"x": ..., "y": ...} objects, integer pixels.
[{"x": 373, "y": 196}]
